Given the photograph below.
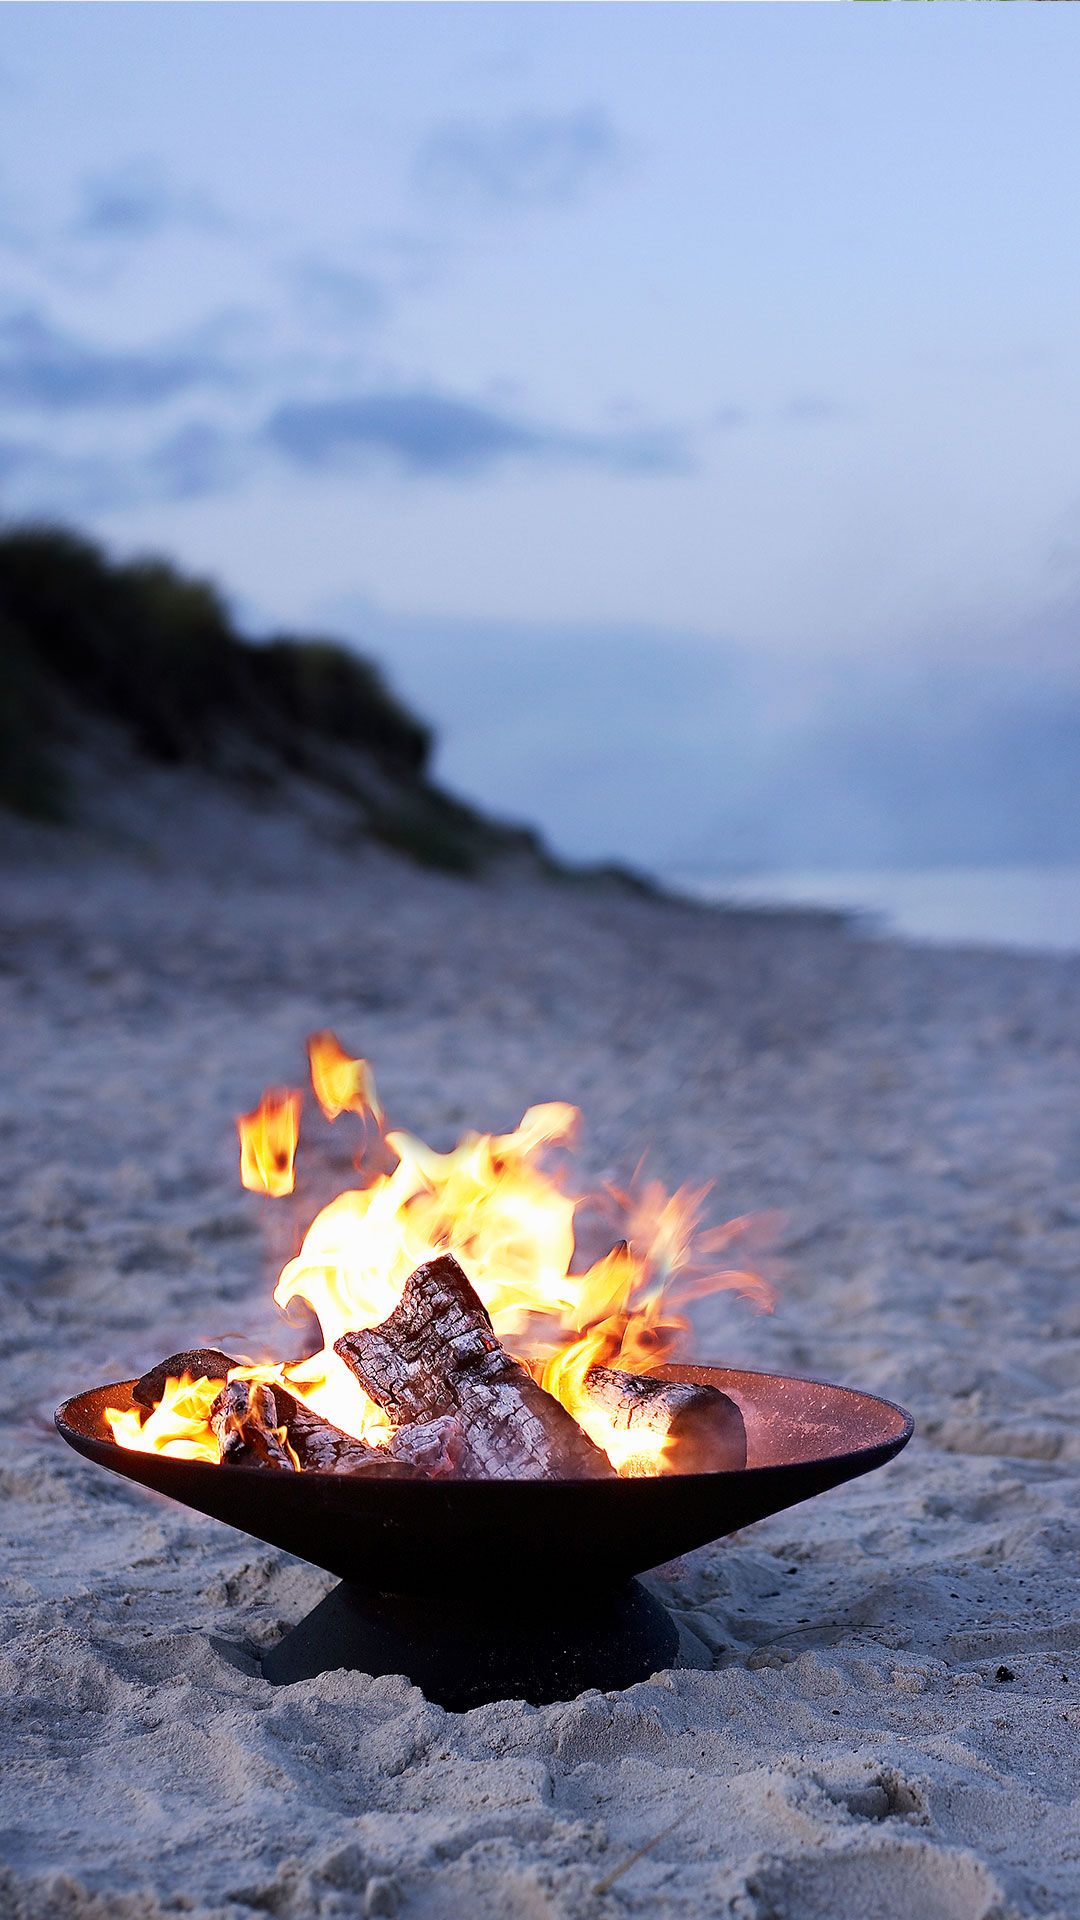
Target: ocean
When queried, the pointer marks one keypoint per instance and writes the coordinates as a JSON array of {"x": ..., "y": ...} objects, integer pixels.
[{"x": 1026, "y": 907}]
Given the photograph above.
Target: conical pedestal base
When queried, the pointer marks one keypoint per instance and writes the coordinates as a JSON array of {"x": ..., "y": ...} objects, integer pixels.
[{"x": 463, "y": 1653}]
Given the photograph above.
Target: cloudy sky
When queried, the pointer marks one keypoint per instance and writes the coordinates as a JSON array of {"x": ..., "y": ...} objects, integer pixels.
[{"x": 682, "y": 400}]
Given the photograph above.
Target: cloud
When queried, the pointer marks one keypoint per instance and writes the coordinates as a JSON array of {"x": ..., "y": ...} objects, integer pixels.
[
  {"x": 136, "y": 201},
  {"x": 41, "y": 479},
  {"x": 527, "y": 160},
  {"x": 14, "y": 458},
  {"x": 340, "y": 296},
  {"x": 728, "y": 419},
  {"x": 115, "y": 215},
  {"x": 813, "y": 410},
  {"x": 426, "y": 432},
  {"x": 422, "y": 434},
  {"x": 433, "y": 433},
  {"x": 44, "y": 368},
  {"x": 198, "y": 460}
]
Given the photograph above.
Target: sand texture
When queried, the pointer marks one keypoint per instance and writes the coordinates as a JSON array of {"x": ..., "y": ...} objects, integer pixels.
[{"x": 889, "y": 1727}]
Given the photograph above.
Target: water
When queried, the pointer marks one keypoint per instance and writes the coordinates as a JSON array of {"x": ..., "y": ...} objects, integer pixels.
[{"x": 1033, "y": 907}]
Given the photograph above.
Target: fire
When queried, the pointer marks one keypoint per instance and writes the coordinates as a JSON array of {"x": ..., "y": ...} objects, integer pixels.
[
  {"x": 179, "y": 1425},
  {"x": 564, "y": 1376},
  {"x": 340, "y": 1083},
  {"x": 268, "y": 1139},
  {"x": 511, "y": 1224}
]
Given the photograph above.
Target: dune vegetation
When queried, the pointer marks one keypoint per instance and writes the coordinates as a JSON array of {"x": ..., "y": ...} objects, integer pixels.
[{"x": 140, "y": 650}]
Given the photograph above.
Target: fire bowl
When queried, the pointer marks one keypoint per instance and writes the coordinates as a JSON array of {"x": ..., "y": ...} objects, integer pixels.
[{"x": 488, "y": 1589}]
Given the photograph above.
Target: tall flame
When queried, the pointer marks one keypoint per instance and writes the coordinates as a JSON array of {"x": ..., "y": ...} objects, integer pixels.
[
  {"x": 508, "y": 1220},
  {"x": 268, "y": 1139}
]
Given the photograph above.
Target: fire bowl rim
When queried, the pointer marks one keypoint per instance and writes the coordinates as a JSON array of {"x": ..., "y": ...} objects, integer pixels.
[{"x": 101, "y": 1446}]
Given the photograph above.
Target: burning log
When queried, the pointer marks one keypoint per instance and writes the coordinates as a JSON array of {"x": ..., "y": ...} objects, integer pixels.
[
  {"x": 249, "y": 1419},
  {"x": 199, "y": 1363},
  {"x": 245, "y": 1419},
  {"x": 464, "y": 1407},
  {"x": 319, "y": 1446},
  {"x": 703, "y": 1428},
  {"x": 436, "y": 1354}
]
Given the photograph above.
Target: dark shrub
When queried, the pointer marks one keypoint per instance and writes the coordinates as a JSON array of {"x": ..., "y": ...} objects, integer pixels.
[
  {"x": 30, "y": 782},
  {"x": 336, "y": 695},
  {"x": 155, "y": 651}
]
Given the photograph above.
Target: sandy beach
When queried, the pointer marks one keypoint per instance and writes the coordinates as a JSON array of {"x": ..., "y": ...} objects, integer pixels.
[{"x": 889, "y": 1726}]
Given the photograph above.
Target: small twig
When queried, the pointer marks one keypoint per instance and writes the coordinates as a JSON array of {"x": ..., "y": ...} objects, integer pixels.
[
  {"x": 820, "y": 1626},
  {"x": 605, "y": 1885}
]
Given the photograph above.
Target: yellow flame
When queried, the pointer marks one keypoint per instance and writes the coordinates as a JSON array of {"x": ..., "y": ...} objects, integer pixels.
[
  {"x": 340, "y": 1083},
  {"x": 268, "y": 1137},
  {"x": 179, "y": 1425},
  {"x": 630, "y": 1450}
]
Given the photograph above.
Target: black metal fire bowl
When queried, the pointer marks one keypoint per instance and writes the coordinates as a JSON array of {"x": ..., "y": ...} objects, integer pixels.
[{"x": 489, "y": 1589}]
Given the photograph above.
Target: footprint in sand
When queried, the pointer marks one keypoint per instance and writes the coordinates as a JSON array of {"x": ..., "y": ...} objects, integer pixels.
[{"x": 880, "y": 1879}]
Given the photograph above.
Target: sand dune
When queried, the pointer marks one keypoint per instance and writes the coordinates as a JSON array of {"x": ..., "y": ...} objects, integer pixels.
[{"x": 889, "y": 1727}]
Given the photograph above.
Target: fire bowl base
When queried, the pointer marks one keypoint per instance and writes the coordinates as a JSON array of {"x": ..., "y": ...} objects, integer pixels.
[{"x": 464, "y": 1655}]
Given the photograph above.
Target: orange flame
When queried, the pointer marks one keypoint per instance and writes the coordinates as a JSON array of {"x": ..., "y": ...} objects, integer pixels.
[
  {"x": 493, "y": 1204},
  {"x": 341, "y": 1084},
  {"x": 268, "y": 1137}
]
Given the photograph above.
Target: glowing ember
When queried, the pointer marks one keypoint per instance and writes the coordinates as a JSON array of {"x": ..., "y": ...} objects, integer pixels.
[{"x": 509, "y": 1221}]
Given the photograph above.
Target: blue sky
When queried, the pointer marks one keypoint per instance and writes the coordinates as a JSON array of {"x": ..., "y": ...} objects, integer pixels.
[{"x": 673, "y": 395}]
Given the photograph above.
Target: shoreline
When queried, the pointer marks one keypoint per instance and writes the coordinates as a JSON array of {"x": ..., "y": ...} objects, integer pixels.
[{"x": 1019, "y": 909}]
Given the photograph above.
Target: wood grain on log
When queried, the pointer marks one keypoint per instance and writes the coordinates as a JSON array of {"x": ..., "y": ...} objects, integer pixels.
[
  {"x": 440, "y": 1449},
  {"x": 245, "y": 1418},
  {"x": 321, "y": 1447},
  {"x": 703, "y": 1427},
  {"x": 437, "y": 1354}
]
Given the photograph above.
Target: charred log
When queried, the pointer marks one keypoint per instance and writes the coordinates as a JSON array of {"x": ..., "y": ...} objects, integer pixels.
[
  {"x": 199, "y": 1363},
  {"x": 245, "y": 1419},
  {"x": 703, "y": 1427},
  {"x": 436, "y": 1354},
  {"x": 441, "y": 1449},
  {"x": 320, "y": 1447}
]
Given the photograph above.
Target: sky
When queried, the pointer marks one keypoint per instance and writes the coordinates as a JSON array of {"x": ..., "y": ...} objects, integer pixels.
[{"x": 681, "y": 401}]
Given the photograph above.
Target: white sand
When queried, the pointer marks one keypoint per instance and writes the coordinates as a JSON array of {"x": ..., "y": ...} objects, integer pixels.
[{"x": 852, "y": 1755}]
